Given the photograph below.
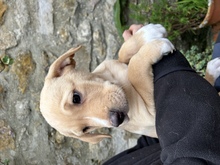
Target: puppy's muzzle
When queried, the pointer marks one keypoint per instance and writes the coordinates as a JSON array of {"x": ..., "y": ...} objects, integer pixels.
[{"x": 116, "y": 117}]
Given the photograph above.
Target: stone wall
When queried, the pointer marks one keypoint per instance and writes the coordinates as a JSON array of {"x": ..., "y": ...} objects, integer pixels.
[{"x": 34, "y": 33}]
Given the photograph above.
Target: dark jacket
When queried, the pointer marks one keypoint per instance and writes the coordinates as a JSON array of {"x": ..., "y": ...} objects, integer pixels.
[{"x": 187, "y": 119}]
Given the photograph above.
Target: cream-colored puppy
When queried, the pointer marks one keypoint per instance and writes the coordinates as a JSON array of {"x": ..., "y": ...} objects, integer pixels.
[{"x": 113, "y": 95}]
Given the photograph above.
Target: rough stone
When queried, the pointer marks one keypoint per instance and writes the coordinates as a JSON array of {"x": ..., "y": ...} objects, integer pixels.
[
  {"x": 2, "y": 95},
  {"x": 1, "y": 89},
  {"x": 45, "y": 15},
  {"x": 23, "y": 66},
  {"x": 59, "y": 138},
  {"x": 20, "y": 16},
  {"x": 63, "y": 35},
  {"x": 84, "y": 32},
  {"x": 82, "y": 59},
  {"x": 7, "y": 39},
  {"x": 34, "y": 34},
  {"x": 2, "y": 66},
  {"x": 3, "y": 8},
  {"x": 6, "y": 136},
  {"x": 22, "y": 109}
]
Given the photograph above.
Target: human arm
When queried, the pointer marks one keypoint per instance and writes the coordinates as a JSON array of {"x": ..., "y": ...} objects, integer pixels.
[{"x": 187, "y": 114}]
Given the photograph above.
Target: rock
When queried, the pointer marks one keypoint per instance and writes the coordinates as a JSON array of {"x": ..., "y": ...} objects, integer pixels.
[
  {"x": 34, "y": 34},
  {"x": 63, "y": 35},
  {"x": 22, "y": 67},
  {"x": 7, "y": 39},
  {"x": 22, "y": 109},
  {"x": 1, "y": 89},
  {"x": 82, "y": 59},
  {"x": 84, "y": 31},
  {"x": 99, "y": 45},
  {"x": 6, "y": 137},
  {"x": 20, "y": 16},
  {"x": 2, "y": 96},
  {"x": 2, "y": 66},
  {"x": 92, "y": 4},
  {"x": 59, "y": 138},
  {"x": 3, "y": 8},
  {"x": 45, "y": 16}
]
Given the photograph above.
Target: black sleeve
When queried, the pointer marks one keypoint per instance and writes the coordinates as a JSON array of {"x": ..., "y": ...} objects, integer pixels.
[{"x": 187, "y": 114}]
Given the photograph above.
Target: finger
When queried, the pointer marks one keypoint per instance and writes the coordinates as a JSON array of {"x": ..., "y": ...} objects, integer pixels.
[
  {"x": 135, "y": 27},
  {"x": 126, "y": 34}
]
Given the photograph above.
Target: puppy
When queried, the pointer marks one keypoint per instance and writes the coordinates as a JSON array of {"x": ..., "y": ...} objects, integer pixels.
[{"x": 113, "y": 95}]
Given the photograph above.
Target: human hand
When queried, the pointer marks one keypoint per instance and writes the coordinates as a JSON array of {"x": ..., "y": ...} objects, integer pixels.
[{"x": 130, "y": 32}]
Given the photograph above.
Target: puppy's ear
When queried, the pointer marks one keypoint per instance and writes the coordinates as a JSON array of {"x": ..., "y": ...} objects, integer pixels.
[
  {"x": 62, "y": 63},
  {"x": 93, "y": 138}
]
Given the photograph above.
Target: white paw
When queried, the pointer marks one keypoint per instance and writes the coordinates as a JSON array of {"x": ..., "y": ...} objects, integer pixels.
[
  {"x": 152, "y": 31},
  {"x": 167, "y": 46},
  {"x": 213, "y": 67}
]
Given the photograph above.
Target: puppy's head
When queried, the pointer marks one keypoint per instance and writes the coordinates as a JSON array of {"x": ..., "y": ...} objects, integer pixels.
[{"x": 76, "y": 103}]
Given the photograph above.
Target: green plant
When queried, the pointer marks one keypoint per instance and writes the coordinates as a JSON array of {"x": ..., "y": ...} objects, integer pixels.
[
  {"x": 119, "y": 16},
  {"x": 177, "y": 17},
  {"x": 6, "y": 60},
  {"x": 198, "y": 60},
  {"x": 5, "y": 162}
]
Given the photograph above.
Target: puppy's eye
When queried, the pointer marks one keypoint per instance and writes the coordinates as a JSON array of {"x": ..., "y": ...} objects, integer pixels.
[
  {"x": 76, "y": 98},
  {"x": 85, "y": 129}
]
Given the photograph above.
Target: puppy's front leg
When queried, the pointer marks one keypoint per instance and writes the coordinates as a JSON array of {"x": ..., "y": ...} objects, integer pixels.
[
  {"x": 140, "y": 69},
  {"x": 140, "y": 37}
]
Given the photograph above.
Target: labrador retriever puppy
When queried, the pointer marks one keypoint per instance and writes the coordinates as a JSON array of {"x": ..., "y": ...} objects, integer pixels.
[{"x": 115, "y": 94}]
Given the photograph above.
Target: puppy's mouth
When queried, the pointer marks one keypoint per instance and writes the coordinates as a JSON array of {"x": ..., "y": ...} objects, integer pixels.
[{"x": 118, "y": 118}]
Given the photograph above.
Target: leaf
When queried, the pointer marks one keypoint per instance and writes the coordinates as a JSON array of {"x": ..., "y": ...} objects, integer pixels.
[{"x": 7, "y": 60}]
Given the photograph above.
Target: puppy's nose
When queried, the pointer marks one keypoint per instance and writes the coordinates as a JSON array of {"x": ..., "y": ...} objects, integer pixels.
[{"x": 116, "y": 118}]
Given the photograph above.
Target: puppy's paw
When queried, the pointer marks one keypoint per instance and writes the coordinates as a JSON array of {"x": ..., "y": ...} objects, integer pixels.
[
  {"x": 213, "y": 68},
  {"x": 152, "y": 31},
  {"x": 166, "y": 47}
]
